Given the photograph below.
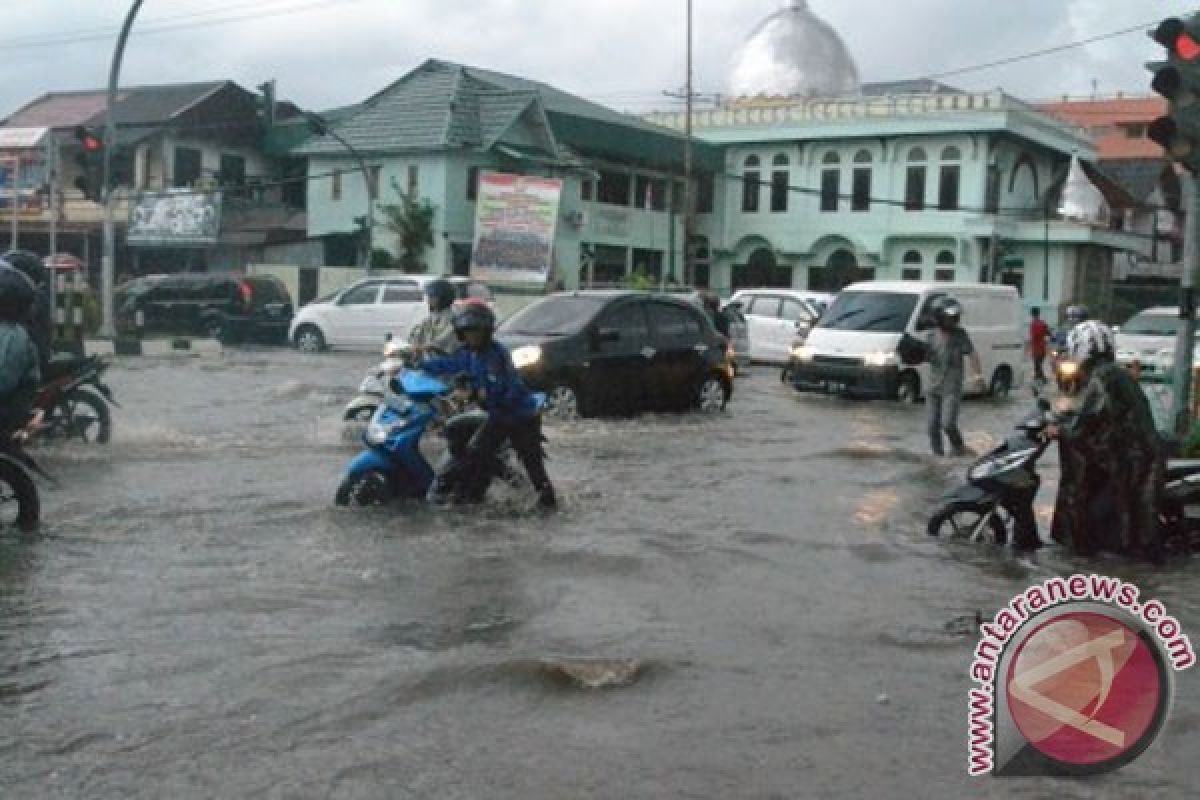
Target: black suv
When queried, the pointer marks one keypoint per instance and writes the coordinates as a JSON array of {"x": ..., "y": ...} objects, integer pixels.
[
  {"x": 600, "y": 352},
  {"x": 226, "y": 306}
]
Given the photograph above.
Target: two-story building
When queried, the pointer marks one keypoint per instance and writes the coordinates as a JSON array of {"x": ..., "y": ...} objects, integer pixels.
[{"x": 434, "y": 131}]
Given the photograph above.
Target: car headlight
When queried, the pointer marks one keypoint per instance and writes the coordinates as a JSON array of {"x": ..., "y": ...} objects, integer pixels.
[
  {"x": 526, "y": 356},
  {"x": 880, "y": 359},
  {"x": 802, "y": 353}
]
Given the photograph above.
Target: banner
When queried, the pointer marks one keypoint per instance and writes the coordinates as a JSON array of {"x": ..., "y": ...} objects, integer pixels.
[
  {"x": 180, "y": 218},
  {"x": 515, "y": 222}
]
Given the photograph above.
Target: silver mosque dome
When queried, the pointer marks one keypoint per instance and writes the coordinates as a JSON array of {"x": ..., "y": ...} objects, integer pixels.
[{"x": 793, "y": 53}]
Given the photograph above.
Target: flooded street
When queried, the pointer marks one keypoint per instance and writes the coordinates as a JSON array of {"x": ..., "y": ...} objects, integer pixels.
[{"x": 744, "y": 606}]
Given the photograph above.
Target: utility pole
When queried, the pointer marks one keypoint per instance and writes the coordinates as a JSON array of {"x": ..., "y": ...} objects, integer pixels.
[
  {"x": 688, "y": 269},
  {"x": 1187, "y": 306},
  {"x": 107, "y": 328},
  {"x": 16, "y": 197}
]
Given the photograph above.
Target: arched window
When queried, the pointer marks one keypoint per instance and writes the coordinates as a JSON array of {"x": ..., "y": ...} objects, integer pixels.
[
  {"x": 779, "y": 183},
  {"x": 912, "y": 257},
  {"x": 914, "y": 181},
  {"x": 831, "y": 158},
  {"x": 951, "y": 154},
  {"x": 945, "y": 257},
  {"x": 780, "y": 160},
  {"x": 913, "y": 272},
  {"x": 917, "y": 154},
  {"x": 860, "y": 194},
  {"x": 862, "y": 157},
  {"x": 945, "y": 270},
  {"x": 831, "y": 182},
  {"x": 751, "y": 180},
  {"x": 752, "y": 162}
]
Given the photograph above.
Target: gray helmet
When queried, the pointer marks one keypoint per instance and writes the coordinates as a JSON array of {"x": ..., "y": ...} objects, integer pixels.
[
  {"x": 440, "y": 293},
  {"x": 17, "y": 294},
  {"x": 947, "y": 312},
  {"x": 1077, "y": 314}
]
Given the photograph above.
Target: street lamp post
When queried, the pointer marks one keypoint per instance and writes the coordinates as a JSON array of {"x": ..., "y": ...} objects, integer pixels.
[
  {"x": 322, "y": 128},
  {"x": 107, "y": 329},
  {"x": 688, "y": 272}
]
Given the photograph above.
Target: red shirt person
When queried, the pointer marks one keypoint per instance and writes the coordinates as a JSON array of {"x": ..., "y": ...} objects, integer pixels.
[{"x": 1039, "y": 332}]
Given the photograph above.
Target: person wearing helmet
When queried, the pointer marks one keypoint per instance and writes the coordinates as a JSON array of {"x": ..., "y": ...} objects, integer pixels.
[
  {"x": 1110, "y": 452},
  {"x": 41, "y": 323},
  {"x": 712, "y": 307},
  {"x": 20, "y": 373},
  {"x": 946, "y": 346},
  {"x": 513, "y": 414},
  {"x": 436, "y": 331},
  {"x": 1074, "y": 315}
]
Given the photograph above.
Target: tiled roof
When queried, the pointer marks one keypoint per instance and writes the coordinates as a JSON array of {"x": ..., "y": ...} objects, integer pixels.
[
  {"x": 1108, "y": 123},
  {"x": 138, "y": 105}
]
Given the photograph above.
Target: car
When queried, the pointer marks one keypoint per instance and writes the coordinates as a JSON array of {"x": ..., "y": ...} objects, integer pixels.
[
  {"x": 224, "y": 305},
  {"x": 603, "y": 352},
  {"x": 1149, "y": 338},
  {"x": 776, "y": 318},
  {"x": 739, "y": 330},
  {"x": 365, "y": 313}
]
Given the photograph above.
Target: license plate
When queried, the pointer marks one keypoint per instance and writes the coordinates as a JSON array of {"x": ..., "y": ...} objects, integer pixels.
[
  {"x": 274, "y": 309},
  {"x": 834, "y": 386}
]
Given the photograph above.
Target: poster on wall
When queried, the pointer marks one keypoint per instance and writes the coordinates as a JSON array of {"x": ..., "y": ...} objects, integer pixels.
[
  {"x": 515, "y": 222},
  {"x": 179, "y": 218}
]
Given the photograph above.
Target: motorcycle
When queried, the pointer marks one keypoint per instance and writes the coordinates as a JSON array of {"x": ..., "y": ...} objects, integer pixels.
[
  {"x": 371, "y": 391},
  {"x": 20, "y": 504},
  {"x": 75, "y": 400},
  {"x": 1000, "y": 488},
  {"x": 392, "y": 465}
]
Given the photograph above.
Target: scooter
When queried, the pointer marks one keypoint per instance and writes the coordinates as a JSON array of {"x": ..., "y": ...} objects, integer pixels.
[
  {"x": 20, "y": 503},
  {"x": 75, "y": 400},
  {"x": 374, "y": 386},
  {"x": 392, "y": 465},
  {"x": 1000, "y": 487}
]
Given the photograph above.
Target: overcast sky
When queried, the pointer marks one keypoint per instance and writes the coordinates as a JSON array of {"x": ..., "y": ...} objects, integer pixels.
[{"x": 623, "y": 53}]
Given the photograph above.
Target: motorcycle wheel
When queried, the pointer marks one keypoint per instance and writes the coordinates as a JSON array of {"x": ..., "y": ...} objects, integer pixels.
[
  {"x": 960, "y": 520},
  {"x": 369, "y": 488},
  {"x": 20, "y": 506},
  {"x": 83, "y": 413}
]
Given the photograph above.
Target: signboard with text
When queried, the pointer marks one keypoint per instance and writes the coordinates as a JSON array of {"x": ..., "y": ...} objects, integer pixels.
[
  {"x": 180, "y": 218},
  {"x": 515, "y": 223}
]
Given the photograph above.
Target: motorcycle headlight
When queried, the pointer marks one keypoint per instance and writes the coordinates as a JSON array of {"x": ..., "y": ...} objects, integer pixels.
[
  {"x": 526, "y": 356},
  {"x": 391, "y": 366},
  {"x": 377, "y": 432},
  {"x": 1067, "y": 370},
  {"x": 802, "y": 353},
  {"x": 880, "y": 359}
]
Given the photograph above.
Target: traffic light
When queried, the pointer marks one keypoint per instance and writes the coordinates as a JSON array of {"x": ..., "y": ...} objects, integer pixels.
[
  {"x": 1178, "y": 80},
  {"x": 91, "y": 163}
]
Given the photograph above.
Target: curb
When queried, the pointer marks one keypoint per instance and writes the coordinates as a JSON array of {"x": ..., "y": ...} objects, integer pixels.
[{"x": 156, "y": 348}]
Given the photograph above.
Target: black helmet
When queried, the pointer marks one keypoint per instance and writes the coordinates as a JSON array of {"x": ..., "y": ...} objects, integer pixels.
[
  {"x": 16, "y": 294},
  {"x": 30, "y": 264},
  {"x": 474, "y": 315},
  {"x": 947, "y": 312},
  {"x": 440, "y": 293},
  {"x": 1077, "y": 314}
]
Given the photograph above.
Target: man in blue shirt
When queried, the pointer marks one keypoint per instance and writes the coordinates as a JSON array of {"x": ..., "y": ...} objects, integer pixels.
[{"x": 513, "y": 414}]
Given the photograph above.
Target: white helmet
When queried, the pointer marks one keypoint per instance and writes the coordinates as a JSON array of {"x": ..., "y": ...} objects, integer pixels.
[{"x": 1089, "y": 340}]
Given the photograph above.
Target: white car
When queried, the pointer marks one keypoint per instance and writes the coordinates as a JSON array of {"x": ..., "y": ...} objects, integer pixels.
[
  {"x": 364, "y": 314},
  {"x": 1149, "y": 337},
  {"x": 775, "y": 318}
]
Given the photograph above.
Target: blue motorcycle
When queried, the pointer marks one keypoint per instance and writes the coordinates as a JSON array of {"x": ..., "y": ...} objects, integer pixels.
[{"x": 393, "y": 467}]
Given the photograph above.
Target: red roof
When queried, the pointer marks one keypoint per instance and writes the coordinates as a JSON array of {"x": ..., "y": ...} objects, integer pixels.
[{"x": 1118, "y": 125}]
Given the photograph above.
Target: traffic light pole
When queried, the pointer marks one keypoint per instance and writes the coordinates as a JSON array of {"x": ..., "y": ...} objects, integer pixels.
[
  {"x": 1184, "y": 346},
  {"x": 108, "y": 329}
]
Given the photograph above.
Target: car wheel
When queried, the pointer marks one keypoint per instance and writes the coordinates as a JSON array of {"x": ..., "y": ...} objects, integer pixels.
[
  {"x": 908, "y": 390},
  {"x": 713, "y": 395},
  {"x": 1001, "y": 384},
  {"x": 562, "y": 402},
  {"x": 308, "y": 339}
]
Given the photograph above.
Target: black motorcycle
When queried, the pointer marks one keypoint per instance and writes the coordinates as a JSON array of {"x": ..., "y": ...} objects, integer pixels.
[
  {"x": 996, "y": 501},
  {"x": 75, "y": 400},
  {"x": 20, "y": 503}
]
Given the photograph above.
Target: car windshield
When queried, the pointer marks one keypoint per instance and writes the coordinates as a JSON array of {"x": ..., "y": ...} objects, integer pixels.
[
  {"x": 884, "y": 312},
  {"x": 555, "y": 316},
  {"x": 1146, "y": 324}
]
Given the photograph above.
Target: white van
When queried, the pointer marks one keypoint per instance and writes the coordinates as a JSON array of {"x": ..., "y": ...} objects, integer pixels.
[{"x": 852, "y": 349}]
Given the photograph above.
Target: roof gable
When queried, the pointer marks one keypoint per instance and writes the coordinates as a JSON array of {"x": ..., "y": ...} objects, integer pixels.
[{"x": 137, "y": 105}]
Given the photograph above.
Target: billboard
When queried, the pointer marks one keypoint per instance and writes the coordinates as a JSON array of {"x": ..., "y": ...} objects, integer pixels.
[
  {"x": 176, "y": 218},
  {"x": 515, "y": 222}
]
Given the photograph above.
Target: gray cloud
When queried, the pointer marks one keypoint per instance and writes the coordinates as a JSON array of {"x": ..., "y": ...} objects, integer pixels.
[{"x": 620, "y": 52}]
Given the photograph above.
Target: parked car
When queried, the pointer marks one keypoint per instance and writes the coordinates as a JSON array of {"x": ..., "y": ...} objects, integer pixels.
[
  {"x": 1149, "y": 337},
  {"x": 365, "y": 313},
  {"x": 853, "y": 348},
  {"x": 775, "y": 318},
  {"x": 619, "y": 352},
  {"x": 226, "y": 306}
]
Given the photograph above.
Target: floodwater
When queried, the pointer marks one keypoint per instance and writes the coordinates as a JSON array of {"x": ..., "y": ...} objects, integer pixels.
[{"x": 744, "y": 606}]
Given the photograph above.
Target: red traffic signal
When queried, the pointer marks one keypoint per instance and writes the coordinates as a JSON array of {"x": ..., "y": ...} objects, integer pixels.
[
  {"x": 1173, "y": 35},
  {"x": 91, "y": 141}
]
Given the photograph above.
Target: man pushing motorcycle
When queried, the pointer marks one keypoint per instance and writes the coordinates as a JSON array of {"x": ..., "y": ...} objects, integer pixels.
[
  {"x": 513, "y": 414},
  {"x": 1109, "y": 449}
]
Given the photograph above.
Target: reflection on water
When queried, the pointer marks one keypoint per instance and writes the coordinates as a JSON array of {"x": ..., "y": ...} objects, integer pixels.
[{"x": 197, "y": 620}]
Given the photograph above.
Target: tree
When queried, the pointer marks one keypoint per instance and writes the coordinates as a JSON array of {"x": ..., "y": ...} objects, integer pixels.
[{"x": 412, "y": 223}]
